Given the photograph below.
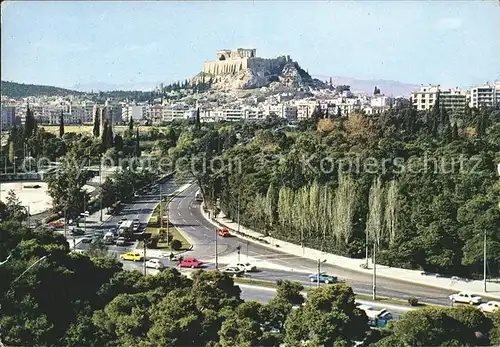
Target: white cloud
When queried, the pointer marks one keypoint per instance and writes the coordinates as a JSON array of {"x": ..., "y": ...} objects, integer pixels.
[{"x": 451, "y": 23}]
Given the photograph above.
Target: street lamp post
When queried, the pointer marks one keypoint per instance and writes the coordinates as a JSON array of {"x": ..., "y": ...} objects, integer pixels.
[
  {"x": 484, "y": 263},
  {"x": 216, "y": 255},
  {"x": 319, "y": 271},
  {"x": 100, "y": 185},
  {"x": 374, "y": 294},
  {"x": 238, "y": 211},
  {"x": 15, "y": 164}
]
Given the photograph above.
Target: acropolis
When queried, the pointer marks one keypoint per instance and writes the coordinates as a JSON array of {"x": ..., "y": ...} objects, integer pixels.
[{"x": 232, "y": 61}]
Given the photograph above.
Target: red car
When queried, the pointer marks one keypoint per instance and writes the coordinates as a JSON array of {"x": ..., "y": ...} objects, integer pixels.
[
  {"x": 223, "y": 232},
  {"x": 189, "y": 262},
  {"x": 56, "y": 224}
]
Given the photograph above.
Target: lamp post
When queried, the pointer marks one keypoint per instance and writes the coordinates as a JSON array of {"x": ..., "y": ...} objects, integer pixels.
[
  {"x": 100, "y": 185},
  {"x": 484, "y": 262},
  {"x": 15, "y": 164},
  {"x": 374, "y": 294},
  {"x": 319, "y": 271}
]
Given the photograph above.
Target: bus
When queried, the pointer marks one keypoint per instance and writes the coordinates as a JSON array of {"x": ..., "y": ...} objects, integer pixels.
[
  {"x": 125, "y": 229},
  {"x": 198, "y": 196}
]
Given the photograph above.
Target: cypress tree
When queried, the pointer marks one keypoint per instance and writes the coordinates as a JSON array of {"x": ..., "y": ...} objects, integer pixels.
[
  {"x": 130, "y": 124},
  {"x": 118, "y": 142},
  {"x": 28, "y": 124},
  {"x": 339, "y": 112},
  {"x": 61, "y": 125},
  {"x": 455, "y": 131},
  {"x": 137, "y": 147},
  {"x": 198, "y": 121},
  {"x": 97, "y": 125},
  {"x": 104, "y": 136},
  {"x": 109, "y": 136}
]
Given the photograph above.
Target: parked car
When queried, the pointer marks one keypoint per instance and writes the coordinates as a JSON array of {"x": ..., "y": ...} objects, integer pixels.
[
  {"x": 490, "y": 306},
  {"x": 86, "y": 240},
  {"x": 135, "y": 256},
  {"x": 121, "y": 241},
  {"x": 189, "y": 262},
  {"x": 323, "y": 278},
  {"x": 77, "y": 231},
  {"x": 233, "y": 270},
  {"x": 466, "y": 297},
  {"x": 224, "y": 232},
  {"x": 247, "y": 267},
  {"x": 154, "y": 264}
]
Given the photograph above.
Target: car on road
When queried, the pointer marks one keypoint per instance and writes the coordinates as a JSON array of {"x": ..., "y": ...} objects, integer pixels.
[
  {"x": 109, "y": 238},
  {"x": 490, "y": 306},
  {"x": 134, "y": 256},
  {"x": 247, "y": 267},
  {"x": 121, "y": 241},
  {"x": 77, "y": 231},
  {"x": 323, "y": 278},
  {"x": 56, "y": 223},
  {"x": 171, "y": 256},
  {"x": 86, "y": 240},
  {"x": 233, "y": 271},
  {"x": 154, "y": 264},
  {"x": 466, "y": 297},
  {"x": 224, "y": 232},
  {"x": 189, "y": 262}
]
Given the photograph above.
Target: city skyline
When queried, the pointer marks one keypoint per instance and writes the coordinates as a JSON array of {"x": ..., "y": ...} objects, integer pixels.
[{"x": 147, "y": 43}]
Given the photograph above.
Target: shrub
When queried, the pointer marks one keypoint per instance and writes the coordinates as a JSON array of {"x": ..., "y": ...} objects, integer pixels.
[
  {"x": 153, "y": 242},
  {"x": 175, "y": 245},
  {"x": 413, "y": 301}
]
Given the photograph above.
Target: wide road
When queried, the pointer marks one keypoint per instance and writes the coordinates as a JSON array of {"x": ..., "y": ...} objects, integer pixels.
[
  {"x": 185, "y": 213},
  {"x": 263, "y": 295},
  {"x": 141, "y": 208}
]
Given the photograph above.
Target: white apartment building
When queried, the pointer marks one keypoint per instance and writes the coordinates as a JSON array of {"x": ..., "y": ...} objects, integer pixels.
[
  {"x": 381, "y": 101},
  {"x": 485, "y": 95},
  {"x": 425, "y": 98},
  {"x": 178, "y": 112},
  {"x": 135, "y": 112},
  {"x": 454, "y": 100},
  {"x": 281, "y": 111},
  {"x": 305, "y": 108},
  {"x": 155, "y": 113}
]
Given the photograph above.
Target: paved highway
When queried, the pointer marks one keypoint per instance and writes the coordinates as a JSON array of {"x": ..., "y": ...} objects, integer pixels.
[{"x": 186, "y": 215}]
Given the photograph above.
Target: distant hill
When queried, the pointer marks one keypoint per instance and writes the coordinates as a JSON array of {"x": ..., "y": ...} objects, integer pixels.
[
  {"x": 387, "y": 87},
  {"x": 21, "y": 90}
]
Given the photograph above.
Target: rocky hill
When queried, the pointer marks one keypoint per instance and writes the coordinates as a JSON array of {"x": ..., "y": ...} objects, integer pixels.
[{"x": 288, "y": 74}]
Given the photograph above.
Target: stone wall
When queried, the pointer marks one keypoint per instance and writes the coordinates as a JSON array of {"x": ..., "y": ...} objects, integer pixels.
[{"x": 233, "y": 66}]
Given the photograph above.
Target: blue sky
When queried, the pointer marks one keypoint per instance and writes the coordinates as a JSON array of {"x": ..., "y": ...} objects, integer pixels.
[{"x": 129, "y": 43}]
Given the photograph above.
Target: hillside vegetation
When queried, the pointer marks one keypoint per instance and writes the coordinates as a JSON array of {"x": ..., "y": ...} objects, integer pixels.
[{"x": 21, "y": 90}]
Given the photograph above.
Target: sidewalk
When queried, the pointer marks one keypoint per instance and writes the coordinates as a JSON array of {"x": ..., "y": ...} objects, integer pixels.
[{"x": 412, "y": 276}]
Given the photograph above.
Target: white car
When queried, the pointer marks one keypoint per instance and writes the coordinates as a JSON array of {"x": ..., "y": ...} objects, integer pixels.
[
  {"x": 466, "y": 297},
  {"x": 121, "y": 241},
  {"x": 490, "y": 306},
  {"x": 155, "y": 264},
  {"x": 247, "y": 267}
]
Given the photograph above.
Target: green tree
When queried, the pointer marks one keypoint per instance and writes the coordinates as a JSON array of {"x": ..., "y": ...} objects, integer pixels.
[
  {"x": 14, "y": 209},
  {"x": 329, "y": 317},
  {"x": 65, "y": 187},
  {"x": 61, "y": 125},
  {"x": 445, "y": 326}
]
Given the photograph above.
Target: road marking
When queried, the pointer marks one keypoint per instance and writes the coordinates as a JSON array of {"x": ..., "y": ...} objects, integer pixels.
[{"x": 195, "y": 230}]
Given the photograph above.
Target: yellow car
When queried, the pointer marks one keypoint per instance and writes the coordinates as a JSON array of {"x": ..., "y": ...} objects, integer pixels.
[{"x": 135, "y": 256}]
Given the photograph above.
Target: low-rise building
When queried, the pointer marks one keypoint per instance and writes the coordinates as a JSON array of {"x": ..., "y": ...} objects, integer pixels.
[{"x": 485, "y": 95}]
